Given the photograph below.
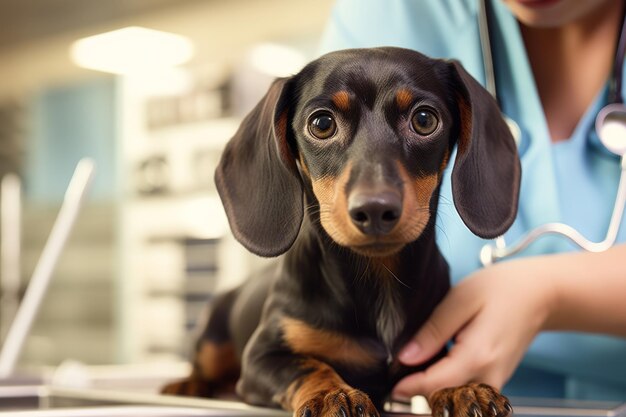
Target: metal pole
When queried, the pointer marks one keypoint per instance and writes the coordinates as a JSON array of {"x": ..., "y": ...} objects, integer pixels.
[{"x": 74, "y": 197}]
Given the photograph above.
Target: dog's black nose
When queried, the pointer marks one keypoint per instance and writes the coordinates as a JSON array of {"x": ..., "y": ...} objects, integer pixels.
[{"x": 375, "y": 213}]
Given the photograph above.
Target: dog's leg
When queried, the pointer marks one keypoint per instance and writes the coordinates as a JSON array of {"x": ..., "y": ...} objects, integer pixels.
[
  {"x": 471, "y": 400},
  {"x": 215, "y": 364},
  {"x": 323, "y": 393},
  {"x": 273, "y": 375},
  {"x": 215, "y": 371}
]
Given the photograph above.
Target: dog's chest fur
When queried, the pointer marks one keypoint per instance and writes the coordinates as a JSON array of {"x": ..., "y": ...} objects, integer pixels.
[
  {"x": 381, "y": 297},
  {"x": 390, "y": 318}
]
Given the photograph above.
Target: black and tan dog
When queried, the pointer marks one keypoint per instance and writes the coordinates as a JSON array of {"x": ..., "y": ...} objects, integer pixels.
[{"x": 339, "y": 167}]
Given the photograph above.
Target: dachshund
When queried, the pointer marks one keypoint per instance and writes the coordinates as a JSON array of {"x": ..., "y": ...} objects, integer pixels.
[{"x": 338, "y": 168}]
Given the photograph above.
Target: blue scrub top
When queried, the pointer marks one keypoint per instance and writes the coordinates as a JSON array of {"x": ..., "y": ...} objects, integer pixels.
[{"x": 573, "y": 181}]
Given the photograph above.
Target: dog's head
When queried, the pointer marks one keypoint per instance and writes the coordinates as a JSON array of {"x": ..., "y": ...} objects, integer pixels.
[{"x": 367, "y": 133}]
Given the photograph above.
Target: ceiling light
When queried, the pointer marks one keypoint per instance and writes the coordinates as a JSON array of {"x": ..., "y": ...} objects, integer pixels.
[
  {"x": 277, "y": 60},
  {"x": 131, "y": 50}
]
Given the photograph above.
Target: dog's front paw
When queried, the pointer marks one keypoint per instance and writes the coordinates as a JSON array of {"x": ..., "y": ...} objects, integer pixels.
[
  {"x": 471, "y": 400},
  {"x": 338, "y": 403}
]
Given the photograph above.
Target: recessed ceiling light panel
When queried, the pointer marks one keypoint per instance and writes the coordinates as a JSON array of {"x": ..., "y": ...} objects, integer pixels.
[{"x": 131, "y": 50}]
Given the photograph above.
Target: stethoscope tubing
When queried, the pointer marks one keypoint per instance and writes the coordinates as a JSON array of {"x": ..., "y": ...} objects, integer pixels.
[{"x": 492, "y": 253}]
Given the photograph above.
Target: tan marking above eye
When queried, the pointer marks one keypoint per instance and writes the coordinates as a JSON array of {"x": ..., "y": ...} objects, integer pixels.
[
  {"x": 404, "y": 98},
  {"x": 304, "y": 339},
  {"x": 341, "y": 99}
]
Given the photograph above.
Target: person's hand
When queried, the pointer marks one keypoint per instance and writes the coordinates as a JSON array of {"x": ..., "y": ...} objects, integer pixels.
[{"x": 493, "y": 315}]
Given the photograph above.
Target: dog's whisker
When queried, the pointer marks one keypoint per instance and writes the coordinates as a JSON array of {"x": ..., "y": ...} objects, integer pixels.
[
  {"x": 447, "y": 201},
  {"x": 395, "y": 276},
  {"x": 443, "y": 232},
  {"x": 422, "y": 210},
  {"x": 444, "y": 198},
  {"x": 360, "y": 279}
]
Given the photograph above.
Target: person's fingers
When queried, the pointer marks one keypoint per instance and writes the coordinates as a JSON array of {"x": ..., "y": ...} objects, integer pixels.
[
  {"x": 446, "y": 320},
  {"x": 448, "y": 372}
]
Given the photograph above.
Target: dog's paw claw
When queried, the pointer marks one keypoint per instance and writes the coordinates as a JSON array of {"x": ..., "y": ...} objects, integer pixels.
[
  {"x": 472, "y": 400},
  {"x": 493, "y": 409},
  {"x": 338, "y": 403},
  {"x": 474, "y": 411}
]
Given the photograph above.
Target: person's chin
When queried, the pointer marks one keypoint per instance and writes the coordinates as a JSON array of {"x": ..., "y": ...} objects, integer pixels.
[{"x": 550, "y": 13}]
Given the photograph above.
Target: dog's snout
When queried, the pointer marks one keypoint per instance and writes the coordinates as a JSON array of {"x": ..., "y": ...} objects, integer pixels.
[{"x": 375, "y": 213}]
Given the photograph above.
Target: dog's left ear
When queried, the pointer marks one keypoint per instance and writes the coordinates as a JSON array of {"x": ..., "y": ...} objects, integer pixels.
[
  {"x": 257, "y": 178},
  {"x": 486, "y": 173}
]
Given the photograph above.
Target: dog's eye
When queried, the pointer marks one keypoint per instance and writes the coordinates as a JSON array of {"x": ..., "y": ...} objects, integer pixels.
[
  {"x": 424, "y": 121},
  {"x": 322, "y": 126}
]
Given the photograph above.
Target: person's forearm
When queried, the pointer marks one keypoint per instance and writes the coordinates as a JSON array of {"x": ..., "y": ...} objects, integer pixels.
[{"x": 588, "y": 290}]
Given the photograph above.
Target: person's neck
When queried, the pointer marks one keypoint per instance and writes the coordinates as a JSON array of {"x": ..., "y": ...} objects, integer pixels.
[{"x": 571, "y": 63}]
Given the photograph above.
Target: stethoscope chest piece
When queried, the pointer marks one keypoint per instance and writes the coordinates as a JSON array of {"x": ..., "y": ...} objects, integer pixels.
[{"x": 611, "y": 127}]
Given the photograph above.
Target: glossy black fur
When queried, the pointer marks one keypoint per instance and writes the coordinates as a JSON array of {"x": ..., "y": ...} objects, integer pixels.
[
  {"x": 272, "y": 209},
  {"x": 332, "y": 289}
]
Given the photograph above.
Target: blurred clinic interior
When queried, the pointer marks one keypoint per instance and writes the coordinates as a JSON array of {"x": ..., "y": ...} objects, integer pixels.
[{"x": 150, "y": 90}]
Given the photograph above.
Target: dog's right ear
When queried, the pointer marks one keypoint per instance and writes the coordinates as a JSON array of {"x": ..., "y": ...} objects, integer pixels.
[{"x": 257, "y": 178}]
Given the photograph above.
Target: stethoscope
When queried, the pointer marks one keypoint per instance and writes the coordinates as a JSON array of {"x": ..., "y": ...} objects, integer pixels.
[{"x": 611, "y": 129}]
